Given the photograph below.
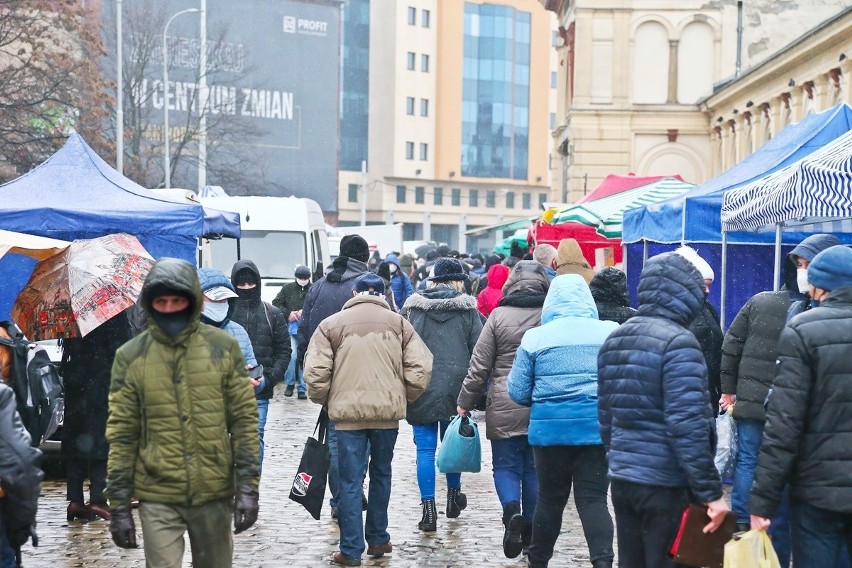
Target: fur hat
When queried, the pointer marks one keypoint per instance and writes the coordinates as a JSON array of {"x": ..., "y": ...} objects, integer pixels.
[
  {"x": 831, "y": 269},
  {"x": 699, "y": 263},
  {"x": 447, "y": 269},
  {"x": 355, "y": 247}
]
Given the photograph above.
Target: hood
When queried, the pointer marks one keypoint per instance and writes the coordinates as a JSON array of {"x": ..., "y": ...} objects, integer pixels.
[
  {"x": 609, "y": 286},
  {"x": 178, "y": 275},
  {"x": 807, "y": 249},
  {"x": 210, "y": 278},
  {"x": 526, "y": 277},
  {"x": 440, "y": 303},
  {"x": 392, "y": 259},
  {"x": 569, "y": 296},
  {"x": 671, "y": 287},
  {"x": 572, "y": 261},
  {"x": 241, "y": 264},
  {"x": 345, "y": 268},
  {"x": 497, "y": 276}
]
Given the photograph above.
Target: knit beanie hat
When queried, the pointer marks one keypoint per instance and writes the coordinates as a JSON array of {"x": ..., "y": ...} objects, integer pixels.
[
  {"x": 447, "y": 269},
  {"x": 699, "y": 263},
  {"x": 831, "y": 269},
  {"x": 355, "y": 247}
]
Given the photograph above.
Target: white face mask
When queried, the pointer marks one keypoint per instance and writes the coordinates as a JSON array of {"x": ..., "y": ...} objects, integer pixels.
[
  {"x": 802, "y": 280},
  {"x": 303, "y": 281},
  {"x": 216, "y": 311},
  {"x": 392, "y": 268}
]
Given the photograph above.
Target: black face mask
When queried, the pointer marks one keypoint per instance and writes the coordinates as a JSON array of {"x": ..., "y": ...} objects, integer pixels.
[
  {"x": 249, "y": 293},
  {"x": 174, "y": 323}
]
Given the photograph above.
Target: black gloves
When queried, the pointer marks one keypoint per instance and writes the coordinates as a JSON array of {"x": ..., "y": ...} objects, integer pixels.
[
  {"x": 121, "y": 527},
  {"x": 245, "y": 508}
]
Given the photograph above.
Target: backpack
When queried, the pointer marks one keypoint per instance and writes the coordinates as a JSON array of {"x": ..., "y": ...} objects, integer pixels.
[{"x": 37, "y": 384}]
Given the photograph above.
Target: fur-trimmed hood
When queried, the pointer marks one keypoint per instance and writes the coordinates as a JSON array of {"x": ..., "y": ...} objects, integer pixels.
[{"x": 439, "y": 303}]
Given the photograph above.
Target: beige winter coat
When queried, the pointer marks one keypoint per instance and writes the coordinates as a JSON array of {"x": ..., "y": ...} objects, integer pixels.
[
  {"x": 572, "y": 261},
  {"x": 365, "y": 364}
]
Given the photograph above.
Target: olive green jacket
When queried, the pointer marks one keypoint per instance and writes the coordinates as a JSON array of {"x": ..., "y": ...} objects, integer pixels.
[{"x": 182, "y": 424}]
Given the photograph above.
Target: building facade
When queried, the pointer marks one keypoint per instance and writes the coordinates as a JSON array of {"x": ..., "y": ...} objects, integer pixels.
[
  {"x": 634, "y": 79},
  {"x": 450, "y": 104}
]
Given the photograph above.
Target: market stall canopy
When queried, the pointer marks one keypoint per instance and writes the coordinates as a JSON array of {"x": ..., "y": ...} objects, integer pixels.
[
  {"x": 38, "y": 248},
  {"x": 217, "y": 223},
  {"x": 817, "y": 188},
  {"x": 519, "y": 237},
  {"x": 695, "y": 216},
  {"x": 605, "y": 214},
  {"x": 505, "y": 226},
  {"x": 614, "y": 184}
]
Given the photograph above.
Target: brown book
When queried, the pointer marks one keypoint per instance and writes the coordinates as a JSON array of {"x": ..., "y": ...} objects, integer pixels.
[{"x": 695, "y": 548}]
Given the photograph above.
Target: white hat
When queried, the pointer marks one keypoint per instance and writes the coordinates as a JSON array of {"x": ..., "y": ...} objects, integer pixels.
[
  {"x": 699, "y": 263},
  {"x": 217, "y": 293}
]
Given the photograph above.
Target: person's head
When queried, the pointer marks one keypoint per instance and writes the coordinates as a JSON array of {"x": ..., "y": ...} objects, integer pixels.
[
  {"x": 700, "y": 264},
  {"x": 217, "y": 295},
  {"x": 570, "y": 260},
  {"x": 510, "y": 261},
  {"x": 369, "y": 285},
  {"x": 355, "y": 247},
  {"x": 171, "y": 296},
  {"x": 449, "y": 273},
  {"x": 527, "y": 276},
  {"x": 491, "y": 260},
  {"x": 804, "y": 253},
  {"x": 610, "y": 285},
  {"x": 829, "y": 270},
  {"x": 671, "y": 287},
  {"x": 5, "y": 358},
  {"x": 431, "y": 255},
  {"x": 443, "y": 251},
  {"x": 384, "y": 270},
  {"x": 302, "y": 275},
  {"x": 546, "y": 255},
  {"x": 393, "y": 263},
  {"x": 246, "y": 280}
]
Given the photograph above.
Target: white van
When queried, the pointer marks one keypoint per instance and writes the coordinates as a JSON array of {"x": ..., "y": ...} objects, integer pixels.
[{"x": 278, "y": 234}]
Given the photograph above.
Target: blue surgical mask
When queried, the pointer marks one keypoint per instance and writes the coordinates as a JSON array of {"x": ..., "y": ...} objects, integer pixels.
[{"x": 216, "y": 311}]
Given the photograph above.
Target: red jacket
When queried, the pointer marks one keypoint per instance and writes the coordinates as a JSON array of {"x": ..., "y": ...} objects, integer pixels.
[{"x": 490, "y": 298}]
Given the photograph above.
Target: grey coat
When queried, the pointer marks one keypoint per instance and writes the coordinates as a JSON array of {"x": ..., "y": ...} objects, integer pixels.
[
  {"x": 519, "y": 311},
  {"x": 449, "y": 323}
]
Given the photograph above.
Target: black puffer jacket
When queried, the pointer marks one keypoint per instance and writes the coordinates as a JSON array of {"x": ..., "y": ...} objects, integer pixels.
[
  {"x": 709, "y": 334},
  {"x": 267, "y": 329},
  {"x": 449, "y": 324},
  {"x": 750, "y": 350},
  {"x": 609, "y": 289},
  {"x": 653, "y": 403},
  {"x": 807, "y": 441}
]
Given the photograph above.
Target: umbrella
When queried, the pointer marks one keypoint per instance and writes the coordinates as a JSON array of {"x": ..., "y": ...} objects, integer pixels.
[
  {"x": 75, "y": 291},
  {"x": 423, "y": 250}
]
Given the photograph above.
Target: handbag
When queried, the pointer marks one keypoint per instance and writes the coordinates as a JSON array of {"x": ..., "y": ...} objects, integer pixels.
[
  {"x": 751, "y": 550},
  {"x": 693, "y": 547},
  {"x": 311, "y": 477},
  {"x": 460, "y": 450}
]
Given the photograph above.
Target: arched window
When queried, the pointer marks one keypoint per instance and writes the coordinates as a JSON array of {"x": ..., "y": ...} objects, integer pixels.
[
  {"x": 696, "y": 67},
  {"x": 650, "y": 64}
]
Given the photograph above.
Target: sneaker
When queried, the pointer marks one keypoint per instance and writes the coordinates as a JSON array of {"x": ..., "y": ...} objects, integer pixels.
[
  {"x": 289, "y": 390},
  {"x": 343, "y": 560},
  {"x": 302, "y": 396},
  {"x": 379, "y": 550}
]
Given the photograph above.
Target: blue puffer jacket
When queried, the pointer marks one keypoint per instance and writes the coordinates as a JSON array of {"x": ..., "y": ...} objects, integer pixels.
[
  {"x": 555, "y": 369},
  {"x": 210, "y": 278},
  {"x": 400, "y": 282},
  {"x": 653, "y": 401}
]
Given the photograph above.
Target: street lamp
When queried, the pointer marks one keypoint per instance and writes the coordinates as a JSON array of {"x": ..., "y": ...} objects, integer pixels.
[{"x": 167, "y": 166}]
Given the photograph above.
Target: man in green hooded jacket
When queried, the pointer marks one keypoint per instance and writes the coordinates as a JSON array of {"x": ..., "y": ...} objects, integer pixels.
[{"x": 182, "y": 429}]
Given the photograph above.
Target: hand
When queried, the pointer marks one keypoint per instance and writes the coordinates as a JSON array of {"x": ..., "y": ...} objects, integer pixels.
[
  {"x": 293, "y": 317},
  {"x": 727, "y": 401},
  {"x": 254, "y": 382},
  {"x": 760, "y": 523},
  {"x": 245, "y": 508},
  {"x": 461, "y": 411},
  {"x": 716, "y": 511},
  {"x": 121, "y": 527}
]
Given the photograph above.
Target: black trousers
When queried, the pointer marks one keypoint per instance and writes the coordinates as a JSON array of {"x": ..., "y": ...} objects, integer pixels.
[
  {"x": 77, "y": 470},
  {"x": 558, "y": 469},
  {"x": 647, "y": 519}
]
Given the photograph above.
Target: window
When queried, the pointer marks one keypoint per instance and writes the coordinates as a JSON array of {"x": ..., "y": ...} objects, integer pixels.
[
  {"x": 553, "y": 79},
  {"x": 411, "y": 58},
  {"x": 552, "y": 120},
  {"x": 409, "y": 150},
  {"x": 419, "y": 195},
  {"x": 400, "y": 194},
  {"x": 424, "y": 152},
  {"x": 526, "y": 200},
  {"x": 473, "y": 198},
  {"x": 439, "y": 196},
  {"x": 424, "y": 18},
  {"x": 354, "y": 83},
  {"x": 424, "y": 107},
  {"x": 542, "y": 199},
  {"x": 424, "y": 63},
  {"x": 510, "y": 200},
  {"x": 353, "y": 193},
  {"x": 412, "y": 16},
  {"x": 456, "y": 199},
  {"x": 409, "y": 106},
  {"x": 554, "y": 38},
  {"x": 489, "y": 199}
]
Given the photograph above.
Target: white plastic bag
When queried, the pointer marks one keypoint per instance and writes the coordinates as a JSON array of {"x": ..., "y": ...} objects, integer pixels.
[{"x": 726, "y": 445}]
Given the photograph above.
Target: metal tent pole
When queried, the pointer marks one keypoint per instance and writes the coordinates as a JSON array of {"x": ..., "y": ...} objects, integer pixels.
[
  {"x": 724, "y": 288},
  {"x": 776, "y": 273}
]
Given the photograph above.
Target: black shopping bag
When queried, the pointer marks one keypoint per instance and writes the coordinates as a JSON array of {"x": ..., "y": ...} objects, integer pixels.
[{"x": 309, "y": 483}]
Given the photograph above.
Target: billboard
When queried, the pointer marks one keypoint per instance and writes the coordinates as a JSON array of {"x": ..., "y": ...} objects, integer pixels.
[{"x": 273, "y": 84}]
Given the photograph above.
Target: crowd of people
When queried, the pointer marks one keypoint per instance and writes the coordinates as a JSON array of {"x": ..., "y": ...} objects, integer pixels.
[{"x": 582, "y": 394}]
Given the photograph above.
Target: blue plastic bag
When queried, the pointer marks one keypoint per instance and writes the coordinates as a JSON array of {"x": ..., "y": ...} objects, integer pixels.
[{"x": 460, "y": 450}]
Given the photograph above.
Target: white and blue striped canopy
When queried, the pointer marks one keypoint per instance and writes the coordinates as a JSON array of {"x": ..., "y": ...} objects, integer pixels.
[{"x": 816, "y": 189}]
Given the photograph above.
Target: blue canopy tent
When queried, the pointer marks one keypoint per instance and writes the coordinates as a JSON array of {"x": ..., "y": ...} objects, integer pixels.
[
  {"x": 76, "y": 195},
  {"x": 695, "y": 217}
]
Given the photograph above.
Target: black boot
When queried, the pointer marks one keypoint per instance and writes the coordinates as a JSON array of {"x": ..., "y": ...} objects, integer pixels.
[
  {"x": 456, "y": 502},
  {"x": 602, "y": 564},
  {"x": 429, "y": 522},
  {"x": 514, "y": 523}
]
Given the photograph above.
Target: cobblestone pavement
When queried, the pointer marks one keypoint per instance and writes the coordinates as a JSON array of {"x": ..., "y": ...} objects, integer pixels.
[{"x": 286, "y": 535}]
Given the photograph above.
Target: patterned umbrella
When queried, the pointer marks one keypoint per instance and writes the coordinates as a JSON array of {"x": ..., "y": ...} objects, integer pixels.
[{"x": 72, "y": 293}]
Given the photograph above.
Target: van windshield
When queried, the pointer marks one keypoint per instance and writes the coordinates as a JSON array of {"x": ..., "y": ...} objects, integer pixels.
[{"x": 276, "y": 253}]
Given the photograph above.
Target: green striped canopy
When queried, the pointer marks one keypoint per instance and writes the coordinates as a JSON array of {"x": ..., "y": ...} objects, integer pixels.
[
  {"x": 520, "y": 237},
  {"x": 606, "y": 214}
]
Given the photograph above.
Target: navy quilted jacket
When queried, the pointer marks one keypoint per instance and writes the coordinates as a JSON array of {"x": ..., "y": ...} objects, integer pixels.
[{"x": 653, "y": 403}]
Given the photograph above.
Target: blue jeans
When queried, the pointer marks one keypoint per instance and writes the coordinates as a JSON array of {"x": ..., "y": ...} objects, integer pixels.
[
  {"x": 821, "y": 539},
  {"x": 7, "y": 553},
  {"x": 514, "y": 473},
  {"x": 749, "y": 438},
  {"x": 294, "y": 369},
  {"x": 333, "y": 475},
  {"x": 353, "y": 445},
  {"x": 426, "y": 440},
  {"x": 262, "y": 411}
]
